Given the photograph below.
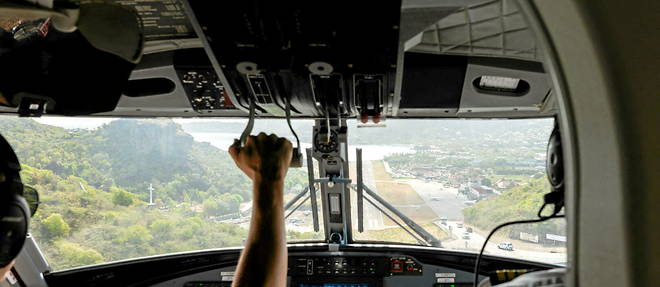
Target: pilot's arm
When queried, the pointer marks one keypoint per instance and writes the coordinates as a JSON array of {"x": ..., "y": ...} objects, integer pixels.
[
  {"x": 4, "y": 270},
  {"x": 265, "y": 159}
]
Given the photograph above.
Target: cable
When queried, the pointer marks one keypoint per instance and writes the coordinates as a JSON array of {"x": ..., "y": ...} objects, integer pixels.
[
  {"x": 250, "y": 124},
  {"x": 476, "y": 265},
  {"x": 287, "y": 111}
]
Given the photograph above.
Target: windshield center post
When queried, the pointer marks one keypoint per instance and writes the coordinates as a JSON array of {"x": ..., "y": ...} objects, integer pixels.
[{"x": 330, "y": 149}]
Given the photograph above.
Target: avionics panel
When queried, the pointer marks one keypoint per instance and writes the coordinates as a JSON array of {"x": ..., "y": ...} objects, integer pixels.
[
  {"x": 321, "y": 55},
  {"x": 368, "y": 271}
]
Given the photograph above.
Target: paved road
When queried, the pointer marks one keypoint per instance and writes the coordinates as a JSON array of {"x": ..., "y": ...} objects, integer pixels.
[
  {"x": 444, "y": 201},
  {"x": 476, "y": 240}
]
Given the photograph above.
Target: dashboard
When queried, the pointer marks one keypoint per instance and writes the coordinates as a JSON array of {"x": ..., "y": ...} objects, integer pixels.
[
  {"x": 345, "y": 270},
  {"x": 311, "y": 265}
]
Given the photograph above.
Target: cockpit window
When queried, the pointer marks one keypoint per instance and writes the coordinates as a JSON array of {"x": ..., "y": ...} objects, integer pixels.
[
  {"x": 114, "y": 189},
  {"x": 123, "y": 188},
  {"x": 458, "y": 179}
]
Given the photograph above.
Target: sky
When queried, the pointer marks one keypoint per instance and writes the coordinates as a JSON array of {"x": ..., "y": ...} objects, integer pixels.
[{"x": 94, "y": 122}]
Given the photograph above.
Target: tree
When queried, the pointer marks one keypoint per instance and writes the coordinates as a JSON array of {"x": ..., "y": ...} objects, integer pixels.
[
  {"x": 55, "y": 226},
  {"x": 75, "y": 255},
  {"x": 136, "y": 235},
  {"x": 486, "y": 182},
  {"x": 211, "y": 207},
  {"x": 121, "y": 196},
  {"x": 162, "y": 228}
]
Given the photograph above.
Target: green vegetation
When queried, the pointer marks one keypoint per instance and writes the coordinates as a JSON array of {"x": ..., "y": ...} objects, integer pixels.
[
  {"x": 94, "y": 190},
  {"x": 522, "y": 202},
  {"x": 55, "y": 227}
]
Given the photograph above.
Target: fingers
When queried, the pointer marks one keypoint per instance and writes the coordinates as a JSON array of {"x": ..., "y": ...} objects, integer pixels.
[
  {"x": 262, "y": 137},
  {"x": 263, "y": 142},
  {"x": 234, "y": 150},
  {"x": 285, "y": 143}
]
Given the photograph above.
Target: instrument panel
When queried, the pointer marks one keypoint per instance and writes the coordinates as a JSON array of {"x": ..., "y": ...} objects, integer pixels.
[
  {"x": 344, "y": 270},
  {"x": 310, "y": 265}
]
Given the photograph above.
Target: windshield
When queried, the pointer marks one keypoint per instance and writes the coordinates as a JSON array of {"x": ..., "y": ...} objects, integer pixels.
[
  {"x": 458, "y": 179},
  {"x": 114, "y": 189}
]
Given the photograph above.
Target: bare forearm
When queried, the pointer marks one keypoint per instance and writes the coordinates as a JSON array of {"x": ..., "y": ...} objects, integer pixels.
[
  {"x": 264, "y": 259},
  {"x": 4, "y": 271}
]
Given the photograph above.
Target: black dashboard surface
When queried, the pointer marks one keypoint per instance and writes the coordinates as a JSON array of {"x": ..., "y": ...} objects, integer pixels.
[{"x": 309, "y": 266}]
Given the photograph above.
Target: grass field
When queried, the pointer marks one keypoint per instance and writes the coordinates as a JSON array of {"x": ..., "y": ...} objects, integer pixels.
[{"x": 401, "y": 194}]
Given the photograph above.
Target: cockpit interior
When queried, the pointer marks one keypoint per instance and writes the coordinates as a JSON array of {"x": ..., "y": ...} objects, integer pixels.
[{"x": 418, "y": 127}]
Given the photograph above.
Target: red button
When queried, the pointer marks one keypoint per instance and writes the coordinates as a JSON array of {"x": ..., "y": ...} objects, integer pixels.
[
  {"x": 364, "y": 118},
  {"x": 410, "y": 268},
  {"x": 396, "y": 266}
]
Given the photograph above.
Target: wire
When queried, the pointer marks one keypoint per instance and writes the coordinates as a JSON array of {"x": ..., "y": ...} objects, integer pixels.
[
  {"x": 287, "y": 111},
  {"x": 476, "y": 265},
  {"x": 250, "y": 124}
]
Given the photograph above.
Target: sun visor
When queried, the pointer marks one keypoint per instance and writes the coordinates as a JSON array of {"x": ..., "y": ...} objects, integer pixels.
[
  {"x": 432, "y": 84},
  {"x": 62, "y": 74}
]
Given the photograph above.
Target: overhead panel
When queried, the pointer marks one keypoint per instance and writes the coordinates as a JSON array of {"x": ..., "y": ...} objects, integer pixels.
[{"x": 322, "y": 55}]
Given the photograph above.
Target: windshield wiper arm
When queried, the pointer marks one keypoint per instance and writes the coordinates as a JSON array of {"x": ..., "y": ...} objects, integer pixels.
[
  {"x": 296, "y": 198},
  {"x": 428, "y": 237},
  {"x": 413, "y": 235}
]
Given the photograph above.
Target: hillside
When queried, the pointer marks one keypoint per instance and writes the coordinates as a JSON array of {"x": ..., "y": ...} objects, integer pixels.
[
  {"x": 94, "y": 190},
  {"x": 528, "y": 198},
  {"x": 130, "y": 154}
]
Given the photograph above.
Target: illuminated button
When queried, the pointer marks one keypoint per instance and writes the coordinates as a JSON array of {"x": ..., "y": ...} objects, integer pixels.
[{"x": 396, "y": 266}]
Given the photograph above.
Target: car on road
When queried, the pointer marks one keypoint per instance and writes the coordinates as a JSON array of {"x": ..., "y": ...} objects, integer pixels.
[
  {"x": 466, "y": 235},
  {"x": 459, "y": 225},
  {"x": 468, "y": 229},
  {"x": 469, "y": 202},
  {"x": 508, "y": 246}
]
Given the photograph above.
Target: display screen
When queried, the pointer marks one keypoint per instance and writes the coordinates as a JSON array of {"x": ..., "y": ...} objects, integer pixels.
[{"x": 337, "y": 285}]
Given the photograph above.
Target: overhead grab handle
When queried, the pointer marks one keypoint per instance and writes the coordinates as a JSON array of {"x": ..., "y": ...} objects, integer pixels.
[{"x": 296, "y": 155}]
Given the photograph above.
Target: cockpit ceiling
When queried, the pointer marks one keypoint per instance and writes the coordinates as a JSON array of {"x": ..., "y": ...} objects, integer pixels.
[
  {"x": 492, "y": 28},
  {"x": 415, "y": 58}
]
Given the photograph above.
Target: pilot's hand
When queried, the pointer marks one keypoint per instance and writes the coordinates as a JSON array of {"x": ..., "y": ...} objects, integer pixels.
[
  {"x": 263, "y": 157},
  {"x": 4, "y": 271}
]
